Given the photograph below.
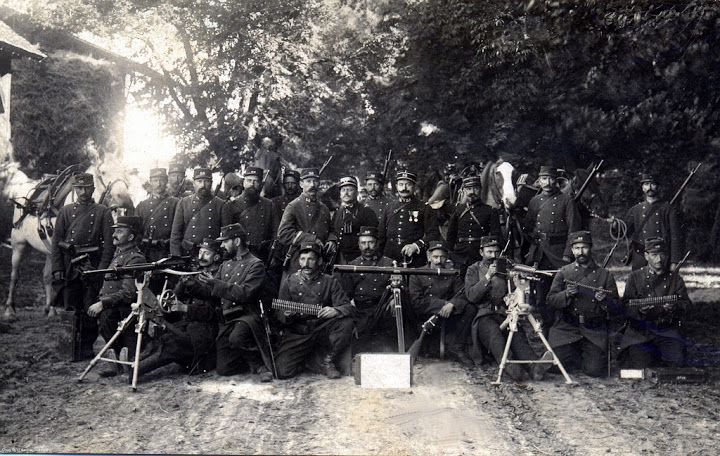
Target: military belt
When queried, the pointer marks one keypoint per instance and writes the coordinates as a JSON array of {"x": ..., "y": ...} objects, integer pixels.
[
  {"x": 469, "y": 239},
  {"x": 587, "y": 319}
]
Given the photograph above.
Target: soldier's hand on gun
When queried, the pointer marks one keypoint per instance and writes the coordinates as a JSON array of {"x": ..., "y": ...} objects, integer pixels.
[
  {"x": 206, "y": 278},
  {"x": 446, "y": 310},
  {"x": 95, "y": 309},
  {"x": 178, "y": 306},
  {"x": 331, "y": 247},
  {"x": 669, "y": 306},
  {"x": 410, "y": 249},
  {"x": 600, "y": 296},
  {"x": 571, "y": 291},
  {"x": 328, "y": 312}
]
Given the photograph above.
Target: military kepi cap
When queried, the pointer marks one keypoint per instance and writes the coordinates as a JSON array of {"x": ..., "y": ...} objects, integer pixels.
[
  {"x": 307, "y": 173},
  {"x": 344, "y": 181},
  {"x": 472, "y": 181},
  {"x": 133, "y": 222},
  {"x": 648, "y": 177},
  {"x": 291, "y": 173},
  {"x": 176, "y": 167},
  {"x": 489, "y": 241},
  {"x": 253, "y": 171},
  {"x": 310, "y": 247},
  {"x": 202, "y": 173},
  {"x": 368, "y": 231},
  {"x": 548, "y": 171},
  {"x": 210, "y": 244},
  {"x": 84, "y": 180},
  {"x": 406, "y": 175},
  {"x": 578, "y": 237},
  {"x": 375, "y": 175},
  {"x": 655, "y": 245},
  {"x": 231, "y": 231},
  {"x": 232, "y": 180},
  {"x": 158, "y": 172},
  {"x": 434, "y": 245}
]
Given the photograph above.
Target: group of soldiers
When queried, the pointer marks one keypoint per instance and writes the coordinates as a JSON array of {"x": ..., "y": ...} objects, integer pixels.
[{"x": 251, "y": 251}]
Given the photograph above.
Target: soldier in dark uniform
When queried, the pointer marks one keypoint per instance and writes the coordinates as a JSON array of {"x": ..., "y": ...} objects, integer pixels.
[
  {"x": 256, "y": 214},
  {"x": 190, "y": 343},
  {"x": 233, "y": 186},
  {"x": 291, "y": 190},
  {"x": 653, "y": 332},
  {"x": 348, "y": 219},
  {"x": 306, "y": 219},
  {"x": 376, "y": 199},
  {"x": 157, "y": 213},
  {"x": 485, "y": 288},
  {"x": 331, "y": 330},
  {"x": 197, "y": 216},
  {"x": 444, "y": 296},
  {"x": 176, "y": 180},
  {"x": 653, "y": 218},
  {"x": 82, "y": 240},
  {"x": 119, "y": 294},
  {"x": 374, "y": 324},
  {"x": 469, "y": 223},
  {"x": 408, "y": 225},
  {"x": 242, "y": 343},
  {"x": 580, "y": 336}
]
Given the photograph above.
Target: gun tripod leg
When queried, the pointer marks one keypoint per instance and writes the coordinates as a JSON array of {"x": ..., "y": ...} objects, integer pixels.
[
  {"x": 556, "y": 361},
  {"x": 122, "y": 326},
  {"x": 506, "y": 352},
  {"x": 136, "y": 362}
]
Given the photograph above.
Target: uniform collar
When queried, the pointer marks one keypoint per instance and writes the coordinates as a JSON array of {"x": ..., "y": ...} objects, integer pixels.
[{"x": 125, "y": 248}]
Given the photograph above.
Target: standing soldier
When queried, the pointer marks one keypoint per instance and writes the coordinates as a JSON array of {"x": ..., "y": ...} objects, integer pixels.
[
  {"x": 408, "y": 225},
  {"x": 242, "y": 343},
  {"x": 256, "y": 214},
  {"x": 197, "y": 216},
  {"x": 119, "y": 294},
  {"x": 370, "y": 294},
  {"x": 469, "y": 223},
  {"x": 444, "y": 296},
  {"x": 580, "y": 336},
  {"x": 82, "y": 240},
  {"x": 291, "y": 190},
  {"x": 190, "y": 344},
  {"x": 653, "y": 218},
  {"x": 330, "y": 330},
  {"x": 157, "y": 213},
  {"x": 176, "y": 179},
  {"x": 306, "y": 219},
  {"x": 348, "y": 219},
  {"x": 653, "y": 333},
  {"x": 376, "y": 199}
]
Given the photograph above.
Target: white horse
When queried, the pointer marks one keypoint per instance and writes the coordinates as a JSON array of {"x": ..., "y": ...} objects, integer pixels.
[{"x": 34, "y": 229}]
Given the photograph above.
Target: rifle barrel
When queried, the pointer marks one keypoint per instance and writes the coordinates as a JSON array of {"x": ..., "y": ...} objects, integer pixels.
[{"x": 398, "y": 271}]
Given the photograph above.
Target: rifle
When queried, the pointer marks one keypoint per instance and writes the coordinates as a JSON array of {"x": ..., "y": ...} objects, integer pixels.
[
  {"x": 679, "y": 265},
  {"x": 427, "y": 328},
  {"x": 585, "y": 184},
  {"x": 215, "y": 168},
  {"x": 325, "y": 165},
  {"x": 386, "y": 166},
  {"x": 395, "y": 270},
  {"x": 266, "y": 324},
  {"x": 588, "y": 287},
  {"x": 684, "y": 184}
]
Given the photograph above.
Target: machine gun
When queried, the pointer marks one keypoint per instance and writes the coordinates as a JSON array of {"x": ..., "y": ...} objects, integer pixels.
[
  {"x": 396, "y": 279},
  {"x": 165, "y": 265}
]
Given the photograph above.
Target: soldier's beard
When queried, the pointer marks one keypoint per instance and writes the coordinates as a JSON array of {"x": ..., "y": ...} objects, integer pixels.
[
  {"x": 292, "y": 191},
  {"x": 583, "y": 259},
  {"x": 374, "y": 193},
  {"x": 203, "y": 193},
  {"x": 251, "y": 195},
  {"x": 227, "y": 255}
]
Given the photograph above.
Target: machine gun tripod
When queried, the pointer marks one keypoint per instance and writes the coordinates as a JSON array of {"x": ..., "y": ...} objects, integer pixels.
[{"x": 518, "y": 305}]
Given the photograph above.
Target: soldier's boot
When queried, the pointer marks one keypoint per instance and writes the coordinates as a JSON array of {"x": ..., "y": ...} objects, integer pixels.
[
  {"x": 152, "y": 362},
  {"x": 265, "y": 375},
  {"x": 328, "y": 366},
  {"x": 537, "y": 371},
  {"x": 516, "y": 372},
  {"x": 458, "y": 353},
  {"x": 110, "y": 369}
]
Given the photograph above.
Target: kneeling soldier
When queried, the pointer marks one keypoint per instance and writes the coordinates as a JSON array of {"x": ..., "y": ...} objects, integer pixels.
[
  {"x": 486, "y": 288},
  {"x": 331, "y": 329},
  {"x": 242, "y": 342},
  {"x": 190, "y": 341},
  {"x": 655, "y": 299},
  {"x": 117, "y": 295},
  {"x": 584, "y": 292}
]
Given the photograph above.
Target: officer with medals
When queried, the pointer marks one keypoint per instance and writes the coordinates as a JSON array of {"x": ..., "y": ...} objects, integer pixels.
[
  {"x": 348, "y": 219},
  {"x": 408, "y": 225},
  {"x": 197, "y": 216},
  {"x": 579, "y": 337},
  {"x": 157, "y": 212},
  {"x": 653, "y": 332},
  {"x": 470, "y": 222}
]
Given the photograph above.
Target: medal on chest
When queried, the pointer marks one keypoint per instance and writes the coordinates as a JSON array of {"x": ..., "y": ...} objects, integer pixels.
[{"x": 414, "y": 216}]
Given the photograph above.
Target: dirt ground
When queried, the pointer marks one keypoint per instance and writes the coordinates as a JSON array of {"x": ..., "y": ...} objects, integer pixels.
[{"x": 449, "y": 410}]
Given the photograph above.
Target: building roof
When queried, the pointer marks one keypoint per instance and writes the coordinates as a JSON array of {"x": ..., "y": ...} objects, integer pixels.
[{"x": 15, "y": 45}]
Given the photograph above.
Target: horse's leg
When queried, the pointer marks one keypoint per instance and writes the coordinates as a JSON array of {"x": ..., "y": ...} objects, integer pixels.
[
  {"x": 18, "y": 250},
  {"x": 47, "y": 280}
]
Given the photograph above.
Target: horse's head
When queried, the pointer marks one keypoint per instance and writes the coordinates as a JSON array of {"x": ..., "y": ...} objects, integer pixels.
[{"x": 499, "y": 185}]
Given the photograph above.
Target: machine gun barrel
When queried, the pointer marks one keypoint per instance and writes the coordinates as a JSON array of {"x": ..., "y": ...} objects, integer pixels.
[
  {"x": 394, "y": 270},
  {"x": 143, "y": 267}
]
